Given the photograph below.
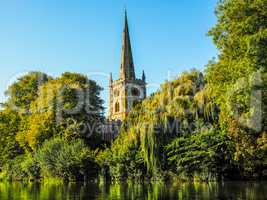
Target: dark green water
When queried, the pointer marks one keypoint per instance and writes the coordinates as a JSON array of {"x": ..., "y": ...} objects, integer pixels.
[{"x": 91, "y": 191}]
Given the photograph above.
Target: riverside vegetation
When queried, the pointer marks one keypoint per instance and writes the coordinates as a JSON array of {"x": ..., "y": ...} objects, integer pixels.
[{"x": 205, "y": 126}]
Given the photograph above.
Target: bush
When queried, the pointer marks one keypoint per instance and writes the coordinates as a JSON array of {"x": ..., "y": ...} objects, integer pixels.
[
  {"x": 205, "y": 155},
  {"x": 70, "y": 160},
  {"x": 21, "y": 168}
]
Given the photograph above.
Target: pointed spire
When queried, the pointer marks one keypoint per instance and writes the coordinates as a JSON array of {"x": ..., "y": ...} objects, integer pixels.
[
  {"x": 127, "y": 65},
  {"x": 143, "y": 76}
]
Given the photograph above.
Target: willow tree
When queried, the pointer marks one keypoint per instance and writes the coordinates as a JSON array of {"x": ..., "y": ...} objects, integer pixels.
[{"x": 180, "y": 108}]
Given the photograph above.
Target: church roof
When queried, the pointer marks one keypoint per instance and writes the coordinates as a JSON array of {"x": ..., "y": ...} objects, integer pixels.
[{"x": 127, "y": 64}]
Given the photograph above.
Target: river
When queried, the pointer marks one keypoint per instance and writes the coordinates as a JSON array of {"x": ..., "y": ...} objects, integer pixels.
[{"x": 131, "y": 191}]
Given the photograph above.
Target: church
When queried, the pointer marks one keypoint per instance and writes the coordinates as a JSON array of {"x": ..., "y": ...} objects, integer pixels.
[{"x": 126, "y": 91}]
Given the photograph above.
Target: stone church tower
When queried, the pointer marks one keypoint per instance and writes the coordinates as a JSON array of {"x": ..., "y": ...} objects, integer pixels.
[{"x": 128, "y": 89}]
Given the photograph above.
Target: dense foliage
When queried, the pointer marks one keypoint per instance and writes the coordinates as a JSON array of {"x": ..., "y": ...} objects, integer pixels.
[
  {"x": 9, "y": 147},
  {"x": 205, "y": 126},
  {"x": 55, "y": 121},
  {"x": 238, "y": 80},
  {"x": 25, "y": 90},
  {"x": 172, "y": 132},
  {"x": 67, "y": 159},
  {"x": 231, "y": 138}
]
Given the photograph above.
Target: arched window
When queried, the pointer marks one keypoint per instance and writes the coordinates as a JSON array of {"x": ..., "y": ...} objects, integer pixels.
[
  {"x": 117, "y": 107},
  {"x": 135, "y": 92}
]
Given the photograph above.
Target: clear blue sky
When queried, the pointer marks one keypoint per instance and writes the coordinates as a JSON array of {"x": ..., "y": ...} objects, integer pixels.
[{"x": 167, "y": 37}]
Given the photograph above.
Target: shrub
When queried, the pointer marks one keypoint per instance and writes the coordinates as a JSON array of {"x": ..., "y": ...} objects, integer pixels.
[
  {"x": 21, "y": 168},
  {"x": 67, "y": 159}
]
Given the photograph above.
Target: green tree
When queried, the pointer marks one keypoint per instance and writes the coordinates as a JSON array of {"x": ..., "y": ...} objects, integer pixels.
[
  {"x": 9, "y": 148},
  {"x": 69, "y": 106},
  {"x": 15, "y": 111},
  {"x": 237, "y": 78},
  {"x": 25, "y": 90},
  {"x": 179, "y": 109},
  {"x": 205, "y": 155}
]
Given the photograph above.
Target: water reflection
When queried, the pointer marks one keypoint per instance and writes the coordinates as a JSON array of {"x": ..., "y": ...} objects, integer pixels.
[{"x": 128, "y": 191}]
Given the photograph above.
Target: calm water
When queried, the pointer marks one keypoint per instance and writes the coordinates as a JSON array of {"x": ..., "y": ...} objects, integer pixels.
[{"x": 91, "y": 191}]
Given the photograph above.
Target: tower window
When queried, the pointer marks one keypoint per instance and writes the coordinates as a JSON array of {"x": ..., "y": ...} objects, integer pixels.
[
  {"x": 135, "y": 92},
  {"x": 117, "y": 107}
]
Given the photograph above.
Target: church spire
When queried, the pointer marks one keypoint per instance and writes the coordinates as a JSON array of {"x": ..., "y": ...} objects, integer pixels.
[
  {"x": 143, "y": 76},
  {"x": 127, "y": 65}
]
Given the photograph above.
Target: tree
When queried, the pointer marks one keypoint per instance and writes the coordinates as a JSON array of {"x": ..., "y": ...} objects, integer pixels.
[
  {"x": 16, "y": 111},
  {"x": 25, "y": 90},
  {"x": 238, "y": 78},
  {"x": 9, "y": 148},
  {"x": 180, "y": 108},
  {"x": 206, "y": 155},
  {"x": 69, "y": 106}
]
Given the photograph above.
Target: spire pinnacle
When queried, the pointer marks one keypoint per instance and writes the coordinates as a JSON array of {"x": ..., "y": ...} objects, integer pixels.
[
  {"x": 143, "y": 76},
  {"x": 127, "y": 65}
]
